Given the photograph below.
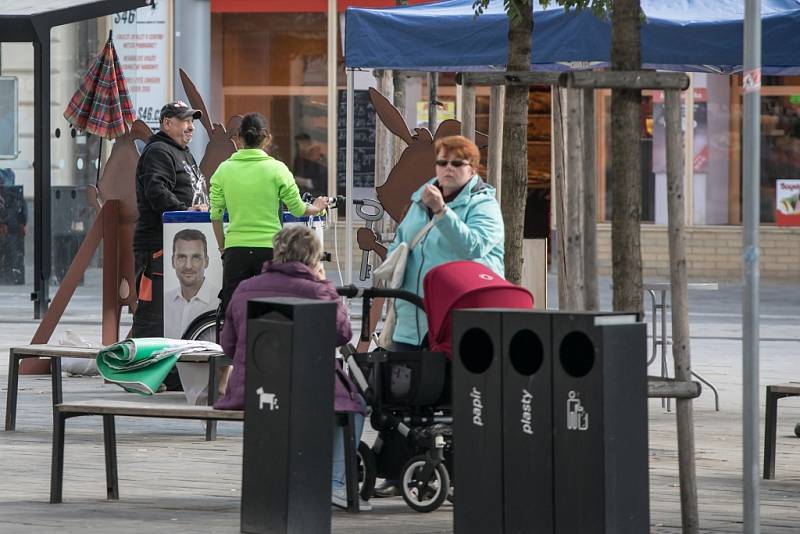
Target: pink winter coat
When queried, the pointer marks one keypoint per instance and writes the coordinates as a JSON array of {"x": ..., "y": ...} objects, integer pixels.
[{"x": 289, "y": 279}]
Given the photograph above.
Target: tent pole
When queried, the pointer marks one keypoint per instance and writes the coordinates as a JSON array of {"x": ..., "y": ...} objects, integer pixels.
[
  {"x": 333, "y": 104},
  {"x": 751, "y": 154},
  {"x": 348, "y": 163}
]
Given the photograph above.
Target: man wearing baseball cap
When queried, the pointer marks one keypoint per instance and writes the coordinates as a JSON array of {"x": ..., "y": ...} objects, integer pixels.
[{"x": 167, "y": 179}]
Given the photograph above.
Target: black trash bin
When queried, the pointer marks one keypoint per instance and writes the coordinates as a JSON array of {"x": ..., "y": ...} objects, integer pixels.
[
  {"x": 13, "y": 221},
  {"x": 288, "y": 424},
  {"x": 527, "y": 423},
  {"x": 477, "y": 425},
  {"x": 600, "y": 424},
  {"x": 71, "y": 219}
]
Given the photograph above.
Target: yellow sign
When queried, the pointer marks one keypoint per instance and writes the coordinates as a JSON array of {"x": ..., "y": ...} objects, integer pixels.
[{"x": 444, "y": 111}]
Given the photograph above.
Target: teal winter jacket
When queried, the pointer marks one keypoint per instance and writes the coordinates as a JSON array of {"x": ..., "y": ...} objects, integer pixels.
[{"x": 470, "y": 229}]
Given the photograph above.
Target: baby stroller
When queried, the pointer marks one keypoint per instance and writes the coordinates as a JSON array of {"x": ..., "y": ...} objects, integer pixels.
[{"x": 409, "y": 392}]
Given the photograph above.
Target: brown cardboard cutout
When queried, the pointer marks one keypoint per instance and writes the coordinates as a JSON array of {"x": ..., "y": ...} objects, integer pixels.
[{"x": 221, "y": 140}]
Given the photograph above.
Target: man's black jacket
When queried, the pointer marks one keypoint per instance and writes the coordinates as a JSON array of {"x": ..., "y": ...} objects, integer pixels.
[{"x": 164, "y": 177}]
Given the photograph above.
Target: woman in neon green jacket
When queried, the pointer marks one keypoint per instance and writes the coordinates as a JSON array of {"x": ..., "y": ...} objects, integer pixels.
[{"x": 250, "y": 186}]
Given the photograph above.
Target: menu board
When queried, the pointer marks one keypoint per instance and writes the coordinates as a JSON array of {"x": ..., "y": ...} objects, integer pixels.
[{"x": 363, "y": 140}]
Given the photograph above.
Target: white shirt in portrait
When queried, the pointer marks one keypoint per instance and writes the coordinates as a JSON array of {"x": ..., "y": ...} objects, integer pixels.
[{"x": 179, "y": 312}]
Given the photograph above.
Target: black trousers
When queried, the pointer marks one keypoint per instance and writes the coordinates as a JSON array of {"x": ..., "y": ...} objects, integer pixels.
[
  {"x": 148, "y": 319},
  {"x": 240, "y": 263}
]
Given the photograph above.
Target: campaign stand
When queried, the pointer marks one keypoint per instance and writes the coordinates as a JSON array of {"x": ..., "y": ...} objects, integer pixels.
[
  {"x": 289, "y": 416},
  {"x": 477, "y": 430},
  {"x": 600, "y": 424}
]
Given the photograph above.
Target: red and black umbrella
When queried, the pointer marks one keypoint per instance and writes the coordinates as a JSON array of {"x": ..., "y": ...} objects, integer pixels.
[{"x": 102, "y": 105}]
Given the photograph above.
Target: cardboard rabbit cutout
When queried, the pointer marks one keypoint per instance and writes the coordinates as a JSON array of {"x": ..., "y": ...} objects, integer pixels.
[{"x": 221, "y": 144}]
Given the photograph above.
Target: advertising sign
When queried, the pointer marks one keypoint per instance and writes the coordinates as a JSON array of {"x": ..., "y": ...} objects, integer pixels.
[
  {"x": 192, "y": 270},
  {"x": 141, "y": 39},
  {"x": 787, "y": 202}
]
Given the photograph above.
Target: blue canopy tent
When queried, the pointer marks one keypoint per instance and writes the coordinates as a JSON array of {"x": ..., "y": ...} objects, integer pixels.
[{"x": 681, "y": 35}]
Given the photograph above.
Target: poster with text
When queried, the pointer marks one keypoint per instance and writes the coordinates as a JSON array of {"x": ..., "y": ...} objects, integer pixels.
[
  {"x": 141, "y": 39},
  {"x": 787, "y": 202}
]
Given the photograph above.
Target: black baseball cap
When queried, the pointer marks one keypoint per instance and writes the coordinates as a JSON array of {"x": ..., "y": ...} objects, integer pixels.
[{"x": 179, "y": 109}]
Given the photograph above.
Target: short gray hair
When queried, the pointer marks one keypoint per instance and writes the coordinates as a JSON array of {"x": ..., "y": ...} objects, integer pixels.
[{"x": 297, "y": 243}]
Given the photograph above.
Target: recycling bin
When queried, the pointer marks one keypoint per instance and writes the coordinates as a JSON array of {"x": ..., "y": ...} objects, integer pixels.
[
  {"x": 527, "y": 422},
  {"x": 289, "y": 416},
  {"x": 600, "y": 463},
  {"x": 477, "y": 425}
]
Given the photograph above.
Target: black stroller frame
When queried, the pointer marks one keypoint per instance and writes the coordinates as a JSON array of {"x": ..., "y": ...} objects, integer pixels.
[{"x": 420, "y": 414}]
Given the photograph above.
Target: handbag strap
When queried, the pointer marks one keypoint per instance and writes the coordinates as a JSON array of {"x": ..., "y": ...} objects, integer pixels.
[{"x": 420, "y": 235}]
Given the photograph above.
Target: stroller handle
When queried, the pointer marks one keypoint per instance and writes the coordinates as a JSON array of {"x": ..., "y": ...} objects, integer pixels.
[
  {"x": 369, "y": 293},
  {"x": 352, "y": 291}
]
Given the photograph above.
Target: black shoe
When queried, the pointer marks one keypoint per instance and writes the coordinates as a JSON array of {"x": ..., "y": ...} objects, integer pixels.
[{"x": 389, "y": 488}]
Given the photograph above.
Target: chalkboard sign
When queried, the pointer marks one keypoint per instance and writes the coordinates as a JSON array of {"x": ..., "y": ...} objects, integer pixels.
[{"x": 363, "y": 140}]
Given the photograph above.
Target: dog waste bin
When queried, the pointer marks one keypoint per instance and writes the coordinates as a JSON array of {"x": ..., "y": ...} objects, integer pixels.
[
  {"x": 477, "y": 431},
  {"x": 600, "y": 424},
  {"x": 288, "y": 423}
]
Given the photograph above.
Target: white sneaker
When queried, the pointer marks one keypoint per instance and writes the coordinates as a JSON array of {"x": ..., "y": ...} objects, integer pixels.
[{"x": 339, "y": 499}]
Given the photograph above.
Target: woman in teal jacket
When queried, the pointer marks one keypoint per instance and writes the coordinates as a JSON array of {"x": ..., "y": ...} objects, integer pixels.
[{"x": 467, "y": 225}]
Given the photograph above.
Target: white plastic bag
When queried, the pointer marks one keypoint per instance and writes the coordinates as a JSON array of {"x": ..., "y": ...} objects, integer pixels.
[{"x": 78, "y": 366}]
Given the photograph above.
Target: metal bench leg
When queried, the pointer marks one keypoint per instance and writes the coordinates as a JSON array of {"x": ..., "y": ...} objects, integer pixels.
[
  {"x": 211, "y": 424},
  {"x": 13, "y": 388},
  {"x": 350, "y": 464},
  {"x": 710, "y": 385},
  {"x": 770, "y": 426},
  {"x": 110, "y": 443},
  {"x": 57, "y": 464},
  {"x": 55, "y": 377}
]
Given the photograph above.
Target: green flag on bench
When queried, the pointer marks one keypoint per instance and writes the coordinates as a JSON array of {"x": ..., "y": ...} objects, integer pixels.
[{"x": 139, "y": 365}]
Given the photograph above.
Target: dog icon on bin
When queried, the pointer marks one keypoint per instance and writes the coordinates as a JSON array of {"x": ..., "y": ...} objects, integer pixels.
[
  {"x": 270, "y": 399},
  {"x": 577, "y": 416}
]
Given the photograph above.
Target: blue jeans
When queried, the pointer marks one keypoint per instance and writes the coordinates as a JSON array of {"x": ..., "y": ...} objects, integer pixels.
[{"x": 338, "y": 476}]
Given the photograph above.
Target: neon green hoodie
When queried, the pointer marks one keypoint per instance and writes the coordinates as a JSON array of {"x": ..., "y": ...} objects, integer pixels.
[{"x": 250, "y": 186}]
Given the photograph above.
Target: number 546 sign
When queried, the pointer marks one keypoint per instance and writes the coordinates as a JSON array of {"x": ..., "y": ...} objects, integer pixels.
[{"x": 126, "y": 17}]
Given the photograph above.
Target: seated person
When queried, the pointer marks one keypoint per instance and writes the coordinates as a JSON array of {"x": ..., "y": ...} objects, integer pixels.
[{"x": 294, "y": 271}]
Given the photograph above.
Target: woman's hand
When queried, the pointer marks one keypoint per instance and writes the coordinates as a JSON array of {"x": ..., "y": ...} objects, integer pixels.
[
  {"x": 432, "y": 198},
  {"x": 198, "y": 207},
  {"x": 319, "y": 270},
  {"x": 321, "y": 203}
]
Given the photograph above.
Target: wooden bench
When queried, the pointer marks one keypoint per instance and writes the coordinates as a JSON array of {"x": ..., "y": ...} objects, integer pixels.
[
  {"x": 56, "y": 352},
  {"x": 109, "y": 409},
  {"x": 774, "y": 392}
]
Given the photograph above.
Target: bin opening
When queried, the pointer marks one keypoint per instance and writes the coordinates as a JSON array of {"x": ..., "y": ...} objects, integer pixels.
[
  {"x": 526, "y": 352},
  {"x": 476, "y": 350},
  {"x": 576, "y": 354}
]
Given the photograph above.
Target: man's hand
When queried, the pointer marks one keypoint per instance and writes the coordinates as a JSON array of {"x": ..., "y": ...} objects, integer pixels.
[
  {"x": 198, "y": 207},
  {"x": 432, "y": 198}
]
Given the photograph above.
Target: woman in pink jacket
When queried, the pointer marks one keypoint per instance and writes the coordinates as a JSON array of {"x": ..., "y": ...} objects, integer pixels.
[{"x": 294, "y": 271}]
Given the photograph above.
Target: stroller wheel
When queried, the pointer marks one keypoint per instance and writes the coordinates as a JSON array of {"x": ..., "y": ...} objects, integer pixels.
[
  {"x": 367, "y": 471},
  {"x": 424, "y": 495}
]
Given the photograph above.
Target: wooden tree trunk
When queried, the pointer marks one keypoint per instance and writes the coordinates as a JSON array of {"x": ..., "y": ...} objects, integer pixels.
[
  {"x": 569, "y": 198},
  {"x": 515, "y": 145},
  {"x": 626, "y": 161},
  {"x": 681, "y": 352},
  {"x": 590, "y": 293},
  {"x": 495, "y": 162}
]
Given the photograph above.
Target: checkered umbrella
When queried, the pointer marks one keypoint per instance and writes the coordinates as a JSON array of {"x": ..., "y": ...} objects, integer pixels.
[{"x": 102, "y": 105}]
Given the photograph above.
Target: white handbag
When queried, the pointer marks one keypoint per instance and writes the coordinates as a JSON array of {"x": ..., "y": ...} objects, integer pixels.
[{"x": 392, "y": 271}]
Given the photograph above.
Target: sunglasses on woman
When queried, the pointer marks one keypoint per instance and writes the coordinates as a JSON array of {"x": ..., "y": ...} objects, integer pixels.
[{"x": 456, "y": 163}]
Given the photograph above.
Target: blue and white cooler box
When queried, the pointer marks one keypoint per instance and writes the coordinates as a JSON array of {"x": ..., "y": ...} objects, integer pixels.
[
  {"x": 192, "y": 269},
  {"x": 315, "y": 222}
]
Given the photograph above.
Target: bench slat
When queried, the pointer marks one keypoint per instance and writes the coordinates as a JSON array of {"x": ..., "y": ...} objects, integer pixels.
[
  {"x": 60, "y": 351},
  {"x": 148, "y": 409},
  {"x": 790, "y": 387}
]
